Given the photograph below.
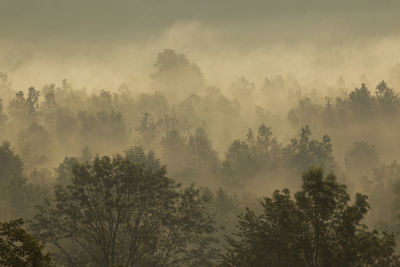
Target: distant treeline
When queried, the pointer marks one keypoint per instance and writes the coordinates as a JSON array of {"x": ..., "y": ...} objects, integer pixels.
[{"x": 184, "y": 159}]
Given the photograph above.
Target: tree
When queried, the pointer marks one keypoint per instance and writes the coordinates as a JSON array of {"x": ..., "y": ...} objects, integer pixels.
[
  {"x": 118, "y": 212},
  {"x": 101, "y": 102},
  {"x": 3, "y": 118},
  {"x": 10, "y": 164},
  {"x": 243, "y": 91},
  {"x": 101, "y": 128},
  {"x": 244, "y": 159},
  {"x": 155, "y": 104},
  {"x": 266, "y": 148},
  {"x": 239, "y": 163},
  {"x": 306, "y": 112},
  {"x": 304, "y": 152},
  {"x": 60, "y": 120},
  {"x": 383, "y": 190},
  {"x": 17, "y": 197},
  {"x": 319, "y": 227},
  {"x": 148, "y": 129},
  {"x": 64, "y": 174},
  {"x": 176, "y": 76},
  {"x": 148, "y": 160},
  {"x": 201, "y": 151},
  {"x": 24, "y": 110},
  {"x": 6, "y": 90},
  {"x": 18, "y": 248},
  {"x": 361, "y": 159},
  {"x": 387, "y": 99},
  {"x": 175, "y": 153},
  {"x": 174, "y": 149},
  {"x": 361, "y": 97},
  {"x": 5, "y": 83},
  {"x": 35, "y": 145}
]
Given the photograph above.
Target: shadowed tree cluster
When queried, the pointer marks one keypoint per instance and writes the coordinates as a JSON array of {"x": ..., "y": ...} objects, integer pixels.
[{"x": 319, "y": 227}]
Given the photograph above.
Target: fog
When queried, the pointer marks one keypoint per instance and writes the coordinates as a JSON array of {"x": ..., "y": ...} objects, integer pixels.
[
  {"x": 181, "y": 114},
  {"x": 117, "y": 43}
]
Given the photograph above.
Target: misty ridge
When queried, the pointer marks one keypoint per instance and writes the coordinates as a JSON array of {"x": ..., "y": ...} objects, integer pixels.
[{"x": 185, "y": 173}]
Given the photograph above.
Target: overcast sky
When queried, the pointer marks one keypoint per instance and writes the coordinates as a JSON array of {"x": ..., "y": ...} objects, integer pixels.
[
  {"x": 106, "y": 20},
  {"x": 63, "y": 36}
]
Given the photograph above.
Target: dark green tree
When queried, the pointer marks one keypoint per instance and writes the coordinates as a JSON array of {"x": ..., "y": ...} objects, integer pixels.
[
  {"x": 18, "y": 248},
  {"x": 118, "y": 212},
  {"x": 239, "y": 163},
  {"x": 148, "y": 160},
  {"x": 362, "y": 101},
  {"x": 64, "y": 174},
  {"x": 102, "y": 128},
  {"x": 35, "y": 145},
  {"x": 383, "y": 190},
  {"x": 257, "y": 154},
  {"x": 175, "y": 154},
  {"x": 266, "y": 148},
  {"x": 201, "y": 151},
  {"x": 304, "y": 152},
  {"x": 10, "y": 164},
  {"x": 319, "y": 227},
  {"x": 17, "y": 197},
  {"x": 387, "y": 99}
]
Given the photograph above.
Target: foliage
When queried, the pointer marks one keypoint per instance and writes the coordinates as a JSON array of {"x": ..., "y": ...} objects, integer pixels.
[
  {"x": 176, "y": 76},
  {"x": 202, "y": 154},
  {"x": 304, "y": 152},
  {"x": 361, "y": 158},
  {"x": 34, "y": 145},
  {"x": 116, "y": 211},
  {"x": 18, "y": 248},
  {"x": 244, "y": 159},
  {"x": 17, "y": 196},
  {"x": 10, "y": 164},
  {"x": 24, "y": 110},
  {"x": 319, "y": 227}
]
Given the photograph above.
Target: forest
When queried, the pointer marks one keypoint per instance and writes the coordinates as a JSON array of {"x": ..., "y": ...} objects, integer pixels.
[{"x": 186, "y": 173}]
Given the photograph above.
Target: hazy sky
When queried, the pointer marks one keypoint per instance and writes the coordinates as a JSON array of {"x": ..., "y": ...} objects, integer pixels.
[
  {"x": 117, "y": 41},
  {"x": 106, "y": 20}
]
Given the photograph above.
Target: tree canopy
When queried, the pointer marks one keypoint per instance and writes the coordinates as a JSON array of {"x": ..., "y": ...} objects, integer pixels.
[
  {"x": 319, "y": 227},
  {"x": 18, "y": 248},
  {"x": 116, "y": 211}
]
